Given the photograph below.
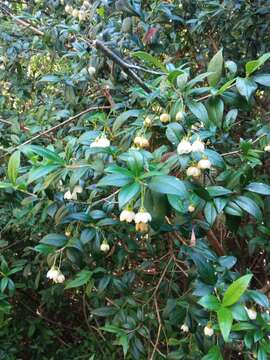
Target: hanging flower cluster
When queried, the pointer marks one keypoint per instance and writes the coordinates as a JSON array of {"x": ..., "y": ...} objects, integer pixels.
[
  {"x": 56, "y": 275},
  {"x": 185, "y": 147},
  {"x": 81, "y": 13},
  {"x": 100, "y": 142},
  {"x": 141, "y": 219},
  {"x": 73, "y": 195}
]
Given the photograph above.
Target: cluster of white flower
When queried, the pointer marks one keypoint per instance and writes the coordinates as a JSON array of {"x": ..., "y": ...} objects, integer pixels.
[
  {"x": 141, "y": 142},
  {"x": 185, "y": 328},
  {"x": 73, "y": 195},
  {"x": 141, "y": 219},
  {"x": 56, "y": 275},
  {"x": 81, "y": 14},
  {"x": 101, "y": 142},
  {"x": 185, "y": 147}
]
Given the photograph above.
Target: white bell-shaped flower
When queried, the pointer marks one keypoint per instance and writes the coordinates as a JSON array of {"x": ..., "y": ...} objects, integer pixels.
[
  {"x": 143, "y": 217},
  {"x": 101, "y": 142},
  {"x": 252, "y": 313},
  {"x": 267, "y": 148},
  {"x": 91, "y": 70},
  {"x": 127, "y": 215},
  {"x": 165, "y": 118},
  {"x": 198, "y": 146},
  {"x": 53, "y": 273},
  {"x": 193, "y": 171},
  {"x": 185, "y": 328},
  {"x": 184, "y": 147},
  {"x": 208, "y": 330},
  {"x": 105, "y": 247},
  {"x": 68, "y": 195},
  {"x": 204, "y": 164}
]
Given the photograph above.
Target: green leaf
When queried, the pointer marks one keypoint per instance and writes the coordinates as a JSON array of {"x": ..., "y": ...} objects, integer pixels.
[
  {"x": 210, "y": 302},
  {"x": 104, "y": 311},
  {"x": 123, "y": 340},
  {"x": 174, "y": 133},
  {"x": 225, "y": 320},
  {"x": 149, "y": 59},
  {"x": 198, "y": 110},
  {"x": 13, "y": 166},
  {"x": 123, "y": 117},
  {"x": 166, "y": 184},
  {"x": 115, "y": 180},
  {"x": 57, "y": 240},
  {"x": 50, "y": 78},
  {"x": 227, "y": 261},
  {"x": 5, "y": 185},
  {"x": 45, "y": 153},
  {"x": 249, "y": 206},
  {"x": 246, "y": 87},
  {"x": 236, "y": 290},
  {"x": 262, "y": 79},
  {"x": 260, "y": 298},
  {"x": 213, "y": 354},
  {"x": 215, "y": 66},
  {"x": 253, "y": 65},
  {"x": 210, "y": 213},
  {"x": 81, "y": 278},
  {"x": 259, "y": 188},
  {"x": 42, "y": 171},
  {"x": 215, "y": 109},
  {"x": 217, "y": 191},
  {"x": 262, "y": 355},
  {"x": 127, "y": 193}
]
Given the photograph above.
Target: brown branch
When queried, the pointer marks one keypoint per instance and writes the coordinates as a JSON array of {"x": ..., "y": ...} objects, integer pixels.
[{"x": 24, "y": 23}]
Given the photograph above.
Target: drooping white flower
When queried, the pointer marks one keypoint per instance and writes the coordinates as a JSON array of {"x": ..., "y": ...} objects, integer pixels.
[
  {"x": 165, "y": 118},
  {"x": 68, "y": 9},
  {"x": 252, "y": 313},
  {"x": 91, "y": 70},
  {"x": 105, "y": 247},
  {"x": 198, "y": 146},
  {"x": 193, "y": 171},
  {"x": 60, "y": 278},
  {"x": 86, "y": 3},
  {"x": 127, "y": 215},
  {"x": 208, "y": 330},
  {"x": 204, "y": 164},
  {"x": 141, "y": 142},
  {"x": 191, "y": 208},
  {"x": 82, "y": 16},
  {"x": 147, "y": 121},
  {"x": 75, "y": 12},
  {"x": 143, "y": 217},
  {"x": 185, "y": 328},
  {"x": 68, "y": 195},
  {"x": 184, "y": 147},
  {"x": 101, "y": 142},
  {"x": 53, "y": 273},
  {"x": 78, "y": 189},
  {"x": 267, "y": 148},
  {"x": 180, "y": 116}
]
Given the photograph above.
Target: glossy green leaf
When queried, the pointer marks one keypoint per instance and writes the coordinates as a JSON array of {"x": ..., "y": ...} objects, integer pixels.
[
  {"x": 210, "y": 302},
  {"x": 127, "y": 193},
  {"x": 225, "y": 320},
  {"x": 13, "y": 166},
  {"x": 236, "y": 290},
  {"x": 215, "y": 66},
  {"x": 166, "y": 184},
  {"x": 81, "y": 279},
  {"x": 259, "y": 188}
]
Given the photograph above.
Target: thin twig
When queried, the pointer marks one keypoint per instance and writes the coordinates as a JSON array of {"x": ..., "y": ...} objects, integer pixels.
[
  {"x": 238, "y": 151},
  {"x": 75, "y": 117}
]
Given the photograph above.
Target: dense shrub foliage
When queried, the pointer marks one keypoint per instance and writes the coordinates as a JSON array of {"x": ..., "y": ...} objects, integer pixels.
[{"x": 134, "y": 179}]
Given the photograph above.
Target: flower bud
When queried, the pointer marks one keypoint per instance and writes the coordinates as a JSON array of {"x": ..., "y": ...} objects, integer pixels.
[
  {"x": 147, "y": 122},
  {"x": 181, "y": 81},
  {"x": 191, "y": 208},
  {"x": 141, "y": 142},
  {"x": 165, "y": 118},
  {"x": 193, "y": 171},
  {"x": 105, "y": 247},
  {"x": 267, "y": 148},
  {"x": 204, "y": 164},
  {"x": 75, "y": 12},
  {"x": 180, "y": 116},
  {"x": 91, "y": 70},
  {"x": 208, "y": 330}
]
